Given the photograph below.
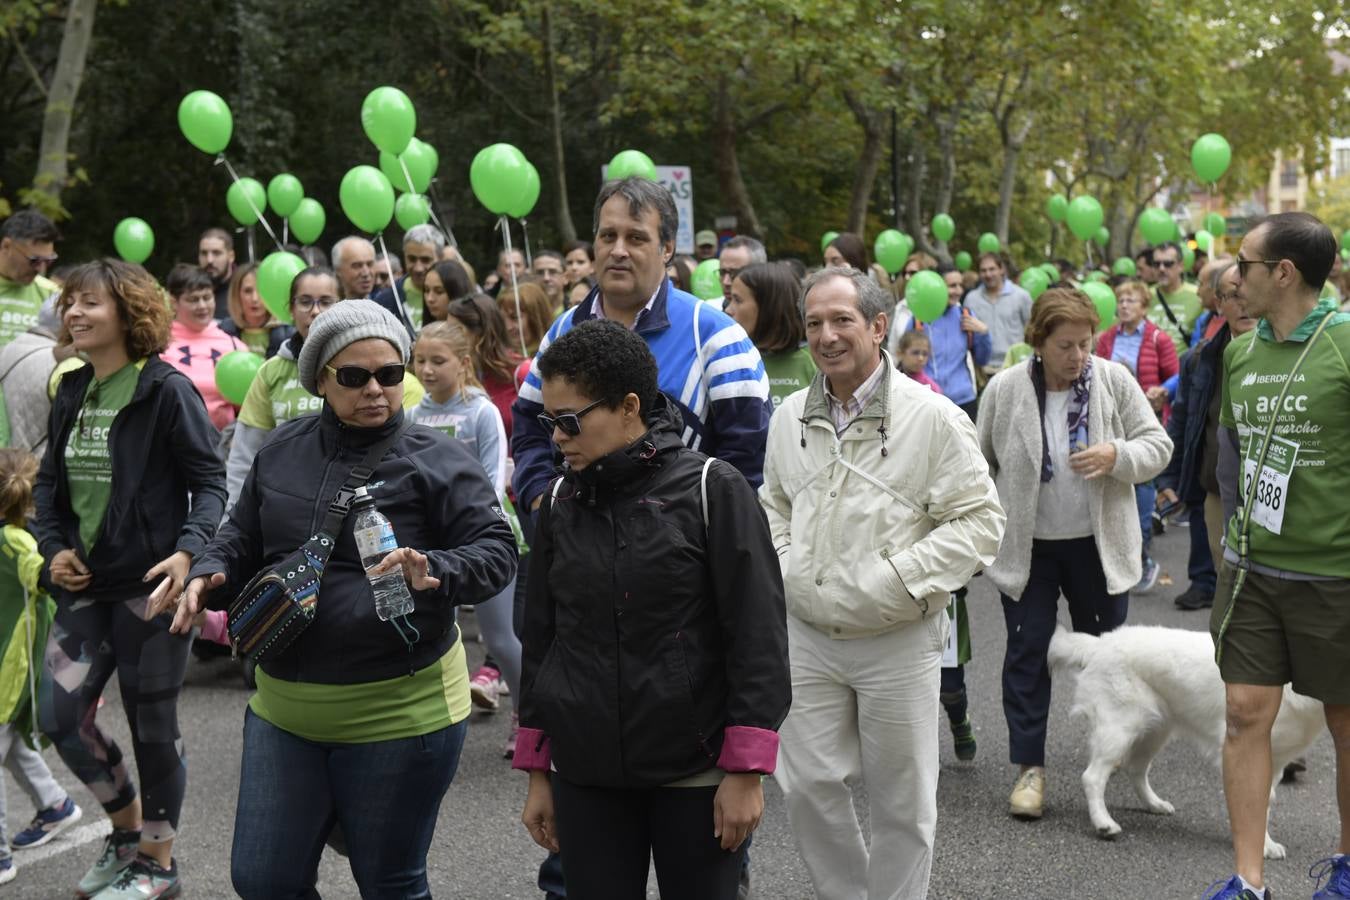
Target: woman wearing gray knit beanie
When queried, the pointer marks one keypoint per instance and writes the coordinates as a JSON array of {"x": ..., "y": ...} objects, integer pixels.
[{"x": 358, "y": 722}]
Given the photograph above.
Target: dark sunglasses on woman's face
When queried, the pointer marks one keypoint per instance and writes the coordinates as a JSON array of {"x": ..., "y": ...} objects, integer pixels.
[
  {"x": 357, "y": 377},
  {"x": 570, "y": 423}
]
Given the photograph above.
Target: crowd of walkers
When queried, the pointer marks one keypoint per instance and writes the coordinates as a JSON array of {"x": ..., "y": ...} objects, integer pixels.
[{"x": 703, "y": 542}]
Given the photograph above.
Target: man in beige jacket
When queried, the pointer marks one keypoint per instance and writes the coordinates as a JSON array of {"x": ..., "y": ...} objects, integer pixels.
[{"x": 880, "y": 505}]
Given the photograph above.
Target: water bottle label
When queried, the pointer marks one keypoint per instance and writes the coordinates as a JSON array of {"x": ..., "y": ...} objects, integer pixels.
[{"x": 375, "y": 541}]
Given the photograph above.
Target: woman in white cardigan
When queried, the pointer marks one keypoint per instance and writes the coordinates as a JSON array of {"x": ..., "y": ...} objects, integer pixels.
[{"x": 1067, "y": 437}]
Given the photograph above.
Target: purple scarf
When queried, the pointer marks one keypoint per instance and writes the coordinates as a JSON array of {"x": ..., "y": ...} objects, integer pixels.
[{"x": 1078, "y": 412}]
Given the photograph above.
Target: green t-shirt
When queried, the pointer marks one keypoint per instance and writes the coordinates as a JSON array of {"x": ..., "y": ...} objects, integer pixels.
[
  {"x": 789, "y": 371},
  {"x": 1185, "y": 305},
  {"x": 88, "y": 460},
  {"x": 20, "y": 305},
  {"x": 276, "y": 395},
  {"x": 1299, "y": 522},
  {"x": 412, "y": 298},
  {"x": 428, "y": 700},
  {"x": 256, "y": 339}
]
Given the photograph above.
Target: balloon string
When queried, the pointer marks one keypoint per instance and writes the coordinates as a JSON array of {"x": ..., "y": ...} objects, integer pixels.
[
  {"x": 285, "y": 230},
  {"x": 520, "y": 320},
  {"x": 249, "y": 200},
  {"x": 449, "y": 235},
  {"x": 1088, "y": 245},
  {"x": 393, "y": 282},
  {"x": 525, "y": 229}
]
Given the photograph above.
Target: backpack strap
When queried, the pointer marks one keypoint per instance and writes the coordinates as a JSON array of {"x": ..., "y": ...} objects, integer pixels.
[{"x": 703, "y": 492}]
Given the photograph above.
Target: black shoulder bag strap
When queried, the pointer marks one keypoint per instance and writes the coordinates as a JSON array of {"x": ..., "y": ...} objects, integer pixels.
[
  {"x": 1172, "y": 317},
  {"x": 359, "y": 475}
]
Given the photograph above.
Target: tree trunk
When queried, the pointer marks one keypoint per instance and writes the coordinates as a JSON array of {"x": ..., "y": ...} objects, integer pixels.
[
  {"x": 567, "y": 230},
  {"x": 734, "y": 194},
  {"x": 947, "y": 179},
  {"x": 1012, "y": 148},
  {"x": 53, "y": 170},
  {"x": 869, "y": 161},
  {"x": 918, "y": 165}
]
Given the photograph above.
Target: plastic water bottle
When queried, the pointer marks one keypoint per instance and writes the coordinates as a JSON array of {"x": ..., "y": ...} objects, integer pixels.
[{"x": 374, "y": 541}]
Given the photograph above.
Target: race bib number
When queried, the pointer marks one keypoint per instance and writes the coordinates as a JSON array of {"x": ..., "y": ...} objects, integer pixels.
[
  {"x": 1271, "y": 484},
  {"x": 950, "y": 652}
]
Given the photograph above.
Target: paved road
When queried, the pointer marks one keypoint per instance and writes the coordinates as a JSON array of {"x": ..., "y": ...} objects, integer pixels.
[{"x": 481, "y": 851}]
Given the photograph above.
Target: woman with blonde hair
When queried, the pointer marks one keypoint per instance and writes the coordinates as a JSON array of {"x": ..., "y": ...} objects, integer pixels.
[
  {"x": 528, "y": 313},
  {"x": 250, "y": 320},
  {"x": 1067, "y": 436}
]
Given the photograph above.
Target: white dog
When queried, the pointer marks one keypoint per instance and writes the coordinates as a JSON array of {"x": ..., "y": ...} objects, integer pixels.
[{"x": 1139, "y": 685}]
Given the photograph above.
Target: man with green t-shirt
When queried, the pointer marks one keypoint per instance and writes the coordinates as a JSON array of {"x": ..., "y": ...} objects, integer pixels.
[
  {"x": 1176, "y": 305},
  {"x": 1282, "y": 604},
  {"x": 27, "y": 248}
]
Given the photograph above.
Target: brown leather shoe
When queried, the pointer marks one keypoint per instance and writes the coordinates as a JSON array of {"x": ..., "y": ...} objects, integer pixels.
[{"x": 1028, "y": 796}]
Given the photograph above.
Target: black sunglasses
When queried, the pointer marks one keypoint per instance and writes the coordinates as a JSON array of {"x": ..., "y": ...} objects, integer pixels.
[
  {"x": 1166, "y": 263},
  {"x": 1244, "y": 264},
  {"x": 357, "y": 377},
  {"x": 570, "y": 423}
]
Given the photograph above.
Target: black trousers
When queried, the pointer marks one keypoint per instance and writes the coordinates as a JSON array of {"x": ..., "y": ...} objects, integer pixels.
[
  {"x": 1074, "y": 568},
  {"x": 609, "y": 837}
]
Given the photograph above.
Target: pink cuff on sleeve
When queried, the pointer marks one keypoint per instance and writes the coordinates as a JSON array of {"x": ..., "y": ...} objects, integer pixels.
[
  {"x": 532, "y": 750},
  {"x": 746, "y": 749},
  {"x": 216, "y": 627}
]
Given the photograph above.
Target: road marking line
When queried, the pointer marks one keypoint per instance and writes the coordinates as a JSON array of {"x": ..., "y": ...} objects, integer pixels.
[{"x": 68, "y": 840}]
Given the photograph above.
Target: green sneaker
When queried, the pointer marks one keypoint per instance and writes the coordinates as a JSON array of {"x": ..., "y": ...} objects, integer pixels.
[
  {"x": 119, "y": 851},
  {"x": 144, "y": 878},
  {"x": 963, "y": 739}
]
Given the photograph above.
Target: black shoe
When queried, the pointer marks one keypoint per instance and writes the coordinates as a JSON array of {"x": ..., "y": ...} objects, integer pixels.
[
  {"x": 1193, "y": 600},
  {"x": 1292, "y": 771}
]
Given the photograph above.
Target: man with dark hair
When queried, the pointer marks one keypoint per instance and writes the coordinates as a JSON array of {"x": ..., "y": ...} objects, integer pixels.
[
  {"x": 1176, "y": 305},
  {"x": 1282, "y": 603},
  {"x": 548, "y": 271},
  {"x": 215, "y": 254},
  {"x": 507, "y": 262},
  {"x": 736, "y": 254},
  {"x": 1144, "y": 268},
  {"x": 27, "y": 247},
  {"x": 1002, "y": 305}
]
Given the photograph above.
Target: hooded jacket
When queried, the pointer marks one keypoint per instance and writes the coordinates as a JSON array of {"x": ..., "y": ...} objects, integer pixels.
[
  {"x": 168, "y": 483},
  {"x": 875, "y": 527},
  {"x": 1200, "y": 378},
  {"x": 654, "y": 647},
  {"x": 439, "y": 502}
]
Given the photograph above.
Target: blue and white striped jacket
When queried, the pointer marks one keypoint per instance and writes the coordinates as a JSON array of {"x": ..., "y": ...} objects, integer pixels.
[{"x": 721, "y": 390}]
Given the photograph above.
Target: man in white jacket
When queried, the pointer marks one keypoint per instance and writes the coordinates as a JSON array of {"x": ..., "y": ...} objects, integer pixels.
[{"x": 880, "y": 504}]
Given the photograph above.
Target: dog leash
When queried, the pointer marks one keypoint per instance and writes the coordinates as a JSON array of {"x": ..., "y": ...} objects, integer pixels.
[{"x": 1245, "y": 513}]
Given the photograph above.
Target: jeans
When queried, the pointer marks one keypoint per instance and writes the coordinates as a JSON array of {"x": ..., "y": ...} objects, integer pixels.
[
  {"x": 1200, "y": 566},
  {"x": 384, "y": 794},
  {"x": 1074, "y": 568},
  {"x": 1146, "y": 497}
]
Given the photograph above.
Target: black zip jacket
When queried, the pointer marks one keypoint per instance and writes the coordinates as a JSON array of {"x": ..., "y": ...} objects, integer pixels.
[
  {"x": 168, "y": 483},
  {"x": 645, "y": 635},
  {"x": 434, "y": 493}
]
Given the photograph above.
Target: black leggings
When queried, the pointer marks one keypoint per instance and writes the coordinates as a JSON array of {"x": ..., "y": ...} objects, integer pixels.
[
  {"x": 609, "y": 836},
  {"x": 88, "y": 642}
]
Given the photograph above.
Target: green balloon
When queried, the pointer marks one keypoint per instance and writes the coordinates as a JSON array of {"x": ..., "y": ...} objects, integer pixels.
[
  {"x": 1095, "y": 276},
  {"x": 1034, "y": 282},
  {"x": 1210, "y": 156},
  {"x": 307, "y": 221},
  {"x": 275, "y": 274},
  {"x": 284, "y": 194},
  {"x": 499, "y": 177},
  {"x": 891, "y": 249},
  {"x": 1125, "y": 266},
  {"x": 411, "y": 210},
  {"x": 706, "y": 282},
  {"x": 828, "y": 237},
  {"x": 527, "y": 200},
  {"x": 1085, "y": 217},
  {"x": 1017, "y": 353},
  {"x": 1204, "y": 240},
  {"x": 388, "y": 118},
  {"x": 1051, "y": 272},
  {"x": 1104, "y": 299},
  {"x": 1156, "y": 225},
  {"x": 926, "y": 294},
  {"x": 963, "y": 261},
  {"x": 367, "y": 198},
  {"x": 245, "y": 200},
  {"x": 134, "y": 240},
  {"x": 1103, "y": 236},
  {"x": 988, "y": 243},
  {"x": 1057, "y": 207},
  {"x": 1216, "y": 224},
  {"x": 1188, "y": 258},
  {"x": 631, "y": 163},
  {"x": 420, "y": 160},
  {"x": 944, "y": 228},
  {"x": 235, "y": 371},
  {"x": 1345, "y": 255},
  {"x": 1345, "y": 240},
  {"x": 205, "y": 120}
]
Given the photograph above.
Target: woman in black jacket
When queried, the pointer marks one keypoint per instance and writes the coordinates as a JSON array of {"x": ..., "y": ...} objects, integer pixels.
[
  {"x": 655, "y": 670},
  {"x": 129, "y": 492},
  {"x": 358, "y": 722}
]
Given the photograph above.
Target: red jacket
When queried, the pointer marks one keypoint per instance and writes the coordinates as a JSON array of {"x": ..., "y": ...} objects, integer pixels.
[{"x": 1157, "y": 357}]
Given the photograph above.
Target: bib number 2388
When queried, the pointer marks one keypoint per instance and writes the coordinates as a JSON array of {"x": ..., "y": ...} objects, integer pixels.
[{"x": 1271, "y": 484}]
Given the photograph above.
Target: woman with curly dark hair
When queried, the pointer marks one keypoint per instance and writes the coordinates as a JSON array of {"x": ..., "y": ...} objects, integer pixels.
[{"x": 130, "y": 490}]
